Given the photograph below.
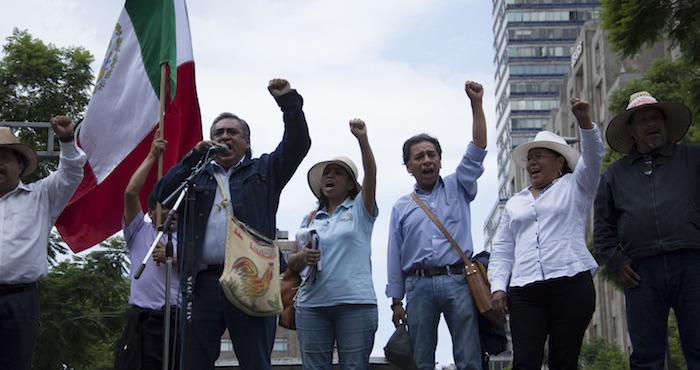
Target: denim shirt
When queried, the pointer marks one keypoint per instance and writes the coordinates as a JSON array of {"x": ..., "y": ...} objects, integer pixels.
[
  {"x": 255, "y": 186},
  {"x": 639, "y": 215}
]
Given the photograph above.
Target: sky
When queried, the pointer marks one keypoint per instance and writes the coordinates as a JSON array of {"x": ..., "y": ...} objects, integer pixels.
[{"x": 400, "y": 65}]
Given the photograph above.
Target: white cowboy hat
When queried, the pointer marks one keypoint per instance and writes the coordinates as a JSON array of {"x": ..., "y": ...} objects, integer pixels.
[
  {"x": 548, "y": 140},
  {"x": 316, "y": 173},
  {"x": 677, "y": 117},
  {"x": 9, "y": 140}
]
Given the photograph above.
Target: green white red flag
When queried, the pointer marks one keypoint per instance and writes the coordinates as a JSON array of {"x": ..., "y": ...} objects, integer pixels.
[{"x": 123, "y": 114}]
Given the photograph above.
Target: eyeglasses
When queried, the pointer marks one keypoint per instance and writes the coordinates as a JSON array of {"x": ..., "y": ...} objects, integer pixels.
[
  {"x": 537, "y": 157},
  {"x": 648, "y": 168}
]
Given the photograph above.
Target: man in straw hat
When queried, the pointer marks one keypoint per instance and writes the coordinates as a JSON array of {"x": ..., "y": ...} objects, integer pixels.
[
  {"x": 421, "y": 263},
  {"x": 647, "y": 226},
  {"x": 28, "y": 214}
]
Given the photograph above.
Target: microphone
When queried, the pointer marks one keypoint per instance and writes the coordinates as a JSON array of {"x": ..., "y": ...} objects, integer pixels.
[{"x": 217, "y": 149}]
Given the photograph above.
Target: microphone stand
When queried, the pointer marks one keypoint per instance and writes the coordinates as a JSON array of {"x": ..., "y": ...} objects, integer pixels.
[{"x": 184, "y": 189}]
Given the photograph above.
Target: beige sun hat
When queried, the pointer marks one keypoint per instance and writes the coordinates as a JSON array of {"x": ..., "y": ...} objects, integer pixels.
[
  {"x": 548, "y": 140},
  {"x": 677, "y": 117},
  {"x": 9, "y": 140},
  {"x": 316, "y": 173}
]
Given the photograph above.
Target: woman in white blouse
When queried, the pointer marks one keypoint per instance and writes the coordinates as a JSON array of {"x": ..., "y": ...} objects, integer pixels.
[{"x": 540, "y": 269}]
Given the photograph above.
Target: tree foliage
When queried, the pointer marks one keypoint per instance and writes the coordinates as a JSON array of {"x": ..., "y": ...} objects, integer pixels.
[
  {"x": 635, "y": 23},
  {"x": 38, "y": 81},
  {"x": 674, "y": 345},
  {"x": 83, "y": 309},
  {"x": 599, "y": 354}
]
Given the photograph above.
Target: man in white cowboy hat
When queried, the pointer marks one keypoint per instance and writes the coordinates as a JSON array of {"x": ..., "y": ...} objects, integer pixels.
[
  {"x": 28, "y": 212},
  {"x": 421, "y": 263},
  {"x": 647, "y": 226}
]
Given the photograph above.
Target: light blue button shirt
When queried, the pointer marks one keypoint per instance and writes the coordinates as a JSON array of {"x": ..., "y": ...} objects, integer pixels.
[
  {"x": 414, "y": 239},
  {"x": 346, "y": 251}
]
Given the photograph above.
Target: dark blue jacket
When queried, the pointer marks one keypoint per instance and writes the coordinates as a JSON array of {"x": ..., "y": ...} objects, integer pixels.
[
  {"x": 639, "y": 215},
  {"x": 255, "y": 186}
]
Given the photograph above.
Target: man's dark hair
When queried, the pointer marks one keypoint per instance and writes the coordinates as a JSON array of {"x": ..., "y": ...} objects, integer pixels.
[
  {"x": 246, "y": 128},
  {"x": 417, "y": 139},
  {"x": 151, "y": 202}
]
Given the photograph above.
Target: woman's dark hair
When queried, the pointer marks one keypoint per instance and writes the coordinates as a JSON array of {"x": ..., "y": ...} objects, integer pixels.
[
  {"x": 565, "y": 168},
  {"x": 323, "y": 200},
  {"x": 417, "y": 139}
]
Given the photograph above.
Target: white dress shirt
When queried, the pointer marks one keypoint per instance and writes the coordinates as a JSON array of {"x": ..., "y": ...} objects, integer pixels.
[
  {"x": 28, "y": 213},
  {"x": 545, "y": 237}
]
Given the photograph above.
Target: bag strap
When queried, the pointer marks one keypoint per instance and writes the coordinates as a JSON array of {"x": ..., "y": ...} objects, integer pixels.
[
  {"x": 439, "y": 225},
  {"x": 311, "y": 217}
]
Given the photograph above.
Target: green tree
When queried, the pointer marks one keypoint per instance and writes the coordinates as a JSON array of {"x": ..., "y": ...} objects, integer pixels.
[
  {"x": 599, "y": 354},
  {"x": 40, "y": 81},
  {"x": 632, "y": 24},
  {"x": 84, "y": 298},
  {"x": 83, "y": 309},
  {"x": 635, "y": 23},
  {"x": 674, "y": 344}
]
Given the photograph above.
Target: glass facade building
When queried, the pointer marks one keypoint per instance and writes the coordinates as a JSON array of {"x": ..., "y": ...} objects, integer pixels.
[{"x": 534, "y": 41}]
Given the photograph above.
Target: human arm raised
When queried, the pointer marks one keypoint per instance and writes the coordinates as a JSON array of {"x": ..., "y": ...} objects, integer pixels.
[
  {"x": 296, "y": 141},
  {"x": 475, "y": 92},
  {"x": 579, "y": 107},
  {"x": 587, "y": 171},
  {"x": 132, "y": 205},
  {"x": 369, "y": 182},
  {"x": 63, "y": 128}
]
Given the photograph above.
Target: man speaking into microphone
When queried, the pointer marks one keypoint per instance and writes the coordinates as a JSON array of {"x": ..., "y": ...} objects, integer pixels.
[{"x": 249, "y": 188}]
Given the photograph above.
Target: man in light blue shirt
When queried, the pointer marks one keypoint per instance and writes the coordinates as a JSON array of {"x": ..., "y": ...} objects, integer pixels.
[{"x": 422, "y": 264}]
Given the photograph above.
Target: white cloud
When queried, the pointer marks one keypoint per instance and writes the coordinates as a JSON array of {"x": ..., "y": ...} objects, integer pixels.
[{"x": 400, "y": 65}]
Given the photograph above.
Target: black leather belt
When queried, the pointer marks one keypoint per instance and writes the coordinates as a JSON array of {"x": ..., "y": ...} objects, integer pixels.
[
  {"x": 16, "y": 288},
  {"x": 455, "y": 269}
]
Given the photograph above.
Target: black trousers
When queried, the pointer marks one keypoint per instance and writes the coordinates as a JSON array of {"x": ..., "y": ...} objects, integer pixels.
[
  {"x": 19, "y": 326},
  {"x": 557, "y": 308},
  {"x": 141, "y": 344}
]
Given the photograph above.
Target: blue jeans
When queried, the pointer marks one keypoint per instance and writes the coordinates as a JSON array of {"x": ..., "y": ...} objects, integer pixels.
[
  {"x": 252, "y": 337},
  {"x": 426, "y": 299},
  {"x": 669, "y": 280},
  {"x": 351, "y": 326}
]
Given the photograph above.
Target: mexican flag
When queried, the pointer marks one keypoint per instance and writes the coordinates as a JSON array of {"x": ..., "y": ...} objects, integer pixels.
[{"x": 123, "y": 114}]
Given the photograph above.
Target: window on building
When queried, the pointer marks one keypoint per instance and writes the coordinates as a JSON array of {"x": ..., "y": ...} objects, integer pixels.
[
  {"x": 281, "y": 344},
  {"x": 226, "y": 345}
]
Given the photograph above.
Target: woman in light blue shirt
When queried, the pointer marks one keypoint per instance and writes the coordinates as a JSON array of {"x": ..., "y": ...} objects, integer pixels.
[
  {"x": 539, "y": 254},
  {"x": 340, "y": 306}
]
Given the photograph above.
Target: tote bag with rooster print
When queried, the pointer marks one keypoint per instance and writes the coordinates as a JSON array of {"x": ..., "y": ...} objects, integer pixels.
[{"x": 251, "y": 270}]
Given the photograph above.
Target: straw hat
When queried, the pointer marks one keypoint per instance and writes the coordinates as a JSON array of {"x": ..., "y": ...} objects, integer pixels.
[
  {"x": 316, "y": 172},
  {"x": 9, "y": 140},
  {"x": 548, "y": 140},
  {"x": 677, "y": 117}
]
